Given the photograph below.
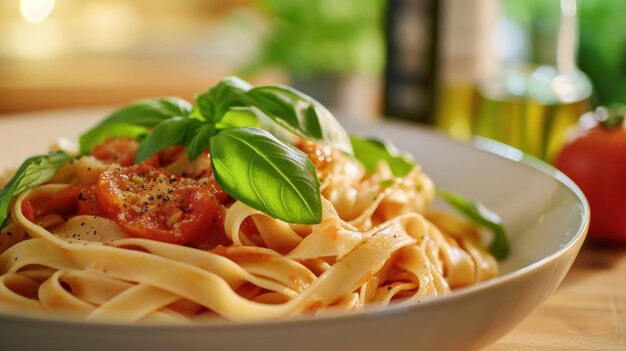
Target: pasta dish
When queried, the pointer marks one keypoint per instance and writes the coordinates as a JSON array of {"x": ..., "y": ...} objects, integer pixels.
[{"x": 253, "y": 204}]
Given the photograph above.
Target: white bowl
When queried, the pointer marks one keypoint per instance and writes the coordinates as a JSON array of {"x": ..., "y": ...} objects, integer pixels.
[{"x": 545, "y": 214}]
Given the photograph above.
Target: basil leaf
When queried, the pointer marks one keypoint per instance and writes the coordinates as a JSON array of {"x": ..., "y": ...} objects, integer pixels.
[
  {"x": 33, "y": 172},
  {"x": 134, "y": 119},
  {"x": 173, "y": 131},
  {"x": 370, "y": 151},
  {"x": 259, "y": 170},
  {"x": 236, "y": 117},
  {"x": 241, "y": 117},
  {"x": 220, "y": 98},
  {"x": 150, "y": 112},
  {"x": 481, "y": 215},
  {"x": 300, "y": 114},
  {"x": 200, "y": 141},
  {"x": 253, "y": 117},
  {"x": 97, "y": 135}
]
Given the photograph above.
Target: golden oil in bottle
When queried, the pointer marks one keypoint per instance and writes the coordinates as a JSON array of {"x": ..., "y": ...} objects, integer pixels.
[{"x": 532, "y": 109}]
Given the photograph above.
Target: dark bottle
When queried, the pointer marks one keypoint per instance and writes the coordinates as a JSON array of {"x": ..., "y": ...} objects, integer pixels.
[{"x": 410, "y": 72}]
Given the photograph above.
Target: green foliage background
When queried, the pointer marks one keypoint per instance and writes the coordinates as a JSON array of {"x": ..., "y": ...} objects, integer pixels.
[{"x": 323, "y": 36}]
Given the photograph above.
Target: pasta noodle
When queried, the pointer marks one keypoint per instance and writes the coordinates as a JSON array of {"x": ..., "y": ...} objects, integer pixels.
[{"x": 377, "y": 244}]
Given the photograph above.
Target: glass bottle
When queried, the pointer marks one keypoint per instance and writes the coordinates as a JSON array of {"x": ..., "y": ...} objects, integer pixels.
[{"x": 534, "y": 92}]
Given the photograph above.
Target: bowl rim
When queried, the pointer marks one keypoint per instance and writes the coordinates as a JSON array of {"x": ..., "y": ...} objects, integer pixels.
[{"x": 479, "y": 143}]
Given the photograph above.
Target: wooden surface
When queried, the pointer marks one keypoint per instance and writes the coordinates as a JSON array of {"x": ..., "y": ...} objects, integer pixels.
[{"x": 587, "y": 312}]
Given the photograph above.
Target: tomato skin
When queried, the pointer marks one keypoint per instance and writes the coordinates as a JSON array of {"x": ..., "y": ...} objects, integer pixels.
[
  {"x": 28, "y": 210},
  {"x": 171, "y": 154},
  {"x": 88, "y": 202},
  {"x": 217, "y": 236},
  {"x": 596, "y": 162},
  {"x": 220, "y": 194},
  {"x": 151, "y": 203},
  {"x": 120, "y": 150},
  {"x": 63, "y": 202}
]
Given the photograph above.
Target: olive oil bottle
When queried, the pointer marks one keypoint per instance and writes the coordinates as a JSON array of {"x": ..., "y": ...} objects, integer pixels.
[
  {"x": 529, "y": 91},
  {"x": 536, "y": 128},
  {"x": 532, "y": 111}
]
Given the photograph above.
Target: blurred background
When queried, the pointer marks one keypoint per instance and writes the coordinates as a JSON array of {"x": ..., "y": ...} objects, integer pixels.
[{"x": 517, "y": 71}]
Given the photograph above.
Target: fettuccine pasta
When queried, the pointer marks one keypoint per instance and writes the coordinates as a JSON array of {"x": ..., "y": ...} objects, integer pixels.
[{"x": 377, "y": 244}]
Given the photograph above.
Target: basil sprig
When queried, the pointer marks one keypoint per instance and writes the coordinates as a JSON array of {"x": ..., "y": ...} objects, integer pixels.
[
  {"x": 256, "y": 168},
  {"x": 227, "y": 94},
  {"x": 370, "y": 152},
  {"x": 251, "y": 164},
  {"x": 33, "y": 172},
  {"x": 482, "y": 216}
]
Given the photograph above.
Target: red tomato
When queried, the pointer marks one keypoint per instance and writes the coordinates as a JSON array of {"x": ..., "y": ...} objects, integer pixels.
[
  {"x": 596, "y": 162},
  {"x": 218, "y": 235},
  {"x": 220, "y": 194},
  {"x": 28, "y": 210},
  {"x": 88, "y": 203},
  {"x": 171, "y": 154},
  {"x": 62, "y": 202},
  {"x": 151, "y": 203},
  {"x": 121, "y": 151}
]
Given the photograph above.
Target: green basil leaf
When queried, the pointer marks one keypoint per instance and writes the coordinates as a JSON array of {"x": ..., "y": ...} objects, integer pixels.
[
  {"x": 33, "y": 172},
  {"x": 220, "y": 98},
  {"x": 251, "y": 116},
  {"x": 150, "y": 112},
  {"x": 133, "y": 120},
  {"x": 239, "y": 117},
  {"x": 173, "y": 131},
  {"x": 482, "y": 216},
  {"x": 300, "y": 114},
  {"x": 370, "y": 151},
  {"x": 259, "y": 170},
  {"x": 236, "y": 117},
  {"x": 100, "y": 133},
  {"x": 200, "y": 141}
]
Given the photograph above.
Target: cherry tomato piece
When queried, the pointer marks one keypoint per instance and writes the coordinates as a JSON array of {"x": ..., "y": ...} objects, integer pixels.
[
  {"x": 151, "y": 203},
  {"x": 28, "y": 210},
  {"x": 121, "y": 151},
  {"x": 217, "y": 237},
  {"x": 211, "y": 182},
  {"x": 88, "y": 202},
  {"x": 62, "y": 202},
  {"x": 170, "y": 154}
]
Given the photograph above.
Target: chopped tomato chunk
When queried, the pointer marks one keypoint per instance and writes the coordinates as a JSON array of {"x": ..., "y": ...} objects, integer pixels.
[
  {"x": 209, "y": 177},
  {"x": 151, "y": 203},
  {"x": 88, "y": 202},
  {"x": 28, "y": 210},
  {"x": 121, "y": 151},
  {"x": 62, "y": 202},
  {"x": 170, "y": 154},
  {"x": 217, "y": 237}
]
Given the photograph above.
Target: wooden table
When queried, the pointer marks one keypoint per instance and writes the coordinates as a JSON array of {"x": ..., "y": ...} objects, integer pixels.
[{"x": 587, "y": 312}]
